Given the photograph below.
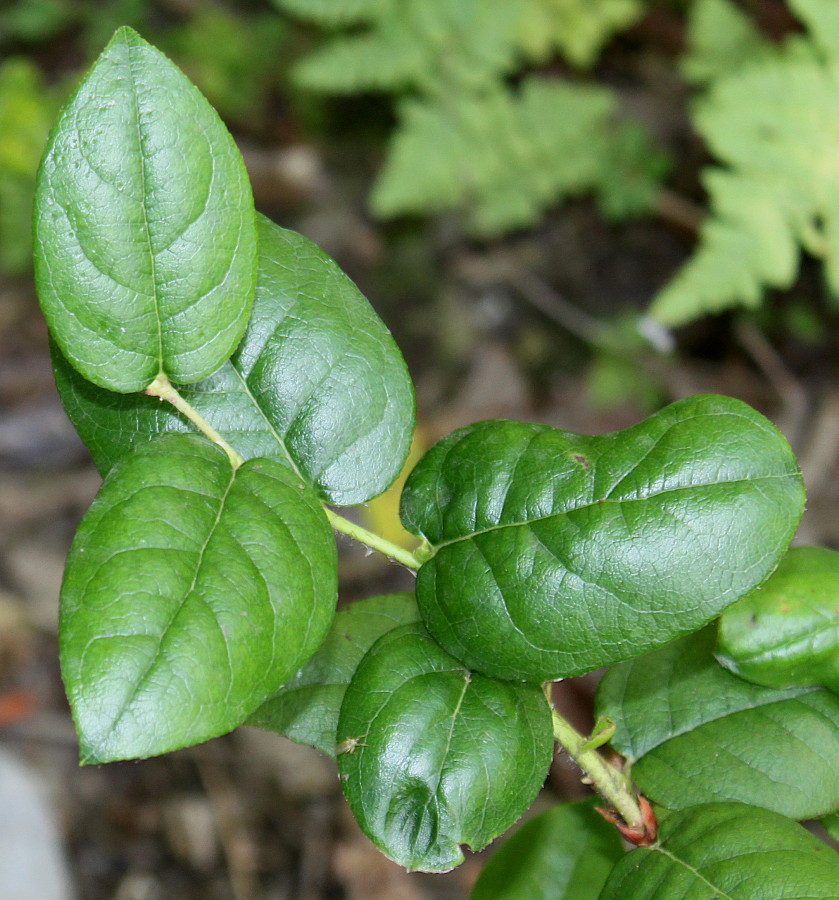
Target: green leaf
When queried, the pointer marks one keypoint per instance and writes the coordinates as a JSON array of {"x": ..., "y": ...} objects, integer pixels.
[
  {"x": 306, "y": 707},
  {"x": 317, "y": 382},
  {"x": 144, "y": 225},
  {"x": 504, "y": 155},
  {"x": 721, "y": 39},
  {"x": 831, "y": 825},
  {"x": 435, "y": 756},
  {"x": 192, "y": 591},
  {"x": 727, "y": 851},
  {"x": 786, "y": 632},
  {"x": 565, "y": 853},
  {"x": 557, "y": 553},
  {"x": 771, "y": 128},
  {"x": 697, "y": 732}
]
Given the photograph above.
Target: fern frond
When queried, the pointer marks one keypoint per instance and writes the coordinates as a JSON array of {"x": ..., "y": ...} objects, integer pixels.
[
  {"x": 578, "y": 29},
  {"x": 433, "y": 45},
  {"x": 775, "y": 129},
  {"x": 822, "y": 20},
  {"x": 721, "y": 39},
  {"x": 336, "y": 13},
  {"x": 503, "y": 156}
]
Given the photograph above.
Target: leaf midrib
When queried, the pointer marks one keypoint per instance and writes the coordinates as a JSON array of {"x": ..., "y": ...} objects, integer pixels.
[
  {"x": 146, "y": 226},
  {"x": 606, "y": 501},
  {"x": 138, "y": 685},
  {"x": 695, "y": 872}
]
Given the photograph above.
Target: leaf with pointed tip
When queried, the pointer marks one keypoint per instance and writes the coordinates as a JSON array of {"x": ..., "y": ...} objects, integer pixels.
[
  {"x": 557, "y": 553},
  {"x": 192, "y": 591},
  {"x": 435, "y": 756},
  {"x": 731, "y": 851},
  {"x": 317, "y": 381},
  {"x": 307, "y": 706},
  {"x": 786, "y": 631},
  {"x": 696, "y": 731},
  {"x": 565, "y": 853},
  {"x": 144, "y": 225}
]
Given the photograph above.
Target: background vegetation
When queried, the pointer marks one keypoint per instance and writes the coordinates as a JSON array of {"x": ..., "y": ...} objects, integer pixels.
[{"x": 566, "y": 211}]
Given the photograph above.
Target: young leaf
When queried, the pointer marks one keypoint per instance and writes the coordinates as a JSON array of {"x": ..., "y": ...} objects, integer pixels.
[
  {"x": 786, "y": 632},
  {"x": 557, "y": 553},
  {"x": 565, "y": 853},
  {"x": 192, "y": 591},
  {"x": 307, "y": 706},
  {"x": 434, "y": 756},
  {"x": 144, "y": 225},
  {"x": 696, "y": 731},
  {"x": 317, "y": 382},
  {"x": 731, "y": 851}
]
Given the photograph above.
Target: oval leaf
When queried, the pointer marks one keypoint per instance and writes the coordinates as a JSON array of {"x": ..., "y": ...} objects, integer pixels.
[
  {"x": 697, "y": 731},
  {"x": 558, "y": 553},
  {"x": 432, "y": 756},
  {"x": 191, "y": 592},
  {"x": 144, "y": 226},
  {"x": 307, "y": 706},
  {"x": 565, "y": 853},
  {"x": 786, "y": 631},
  {"x": 317, "y": 381},
  {"x": 730, "y": 851}
]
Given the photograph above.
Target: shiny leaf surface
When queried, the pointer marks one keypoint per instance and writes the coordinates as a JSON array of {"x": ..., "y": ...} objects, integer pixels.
[
  {"x": 727, "y": 851},
  {"x": 307, "y": 707},
  {"x": 697, "y": 731},
  {"x": 144, "y": 225},
  {"x": 565, "y": 853},
  {"x": 434, "y": 756},
  {"x": 192, "y": 591},
  {"x": 786, "y": 632},
  {"x": 558, "y": 553},
  {"x": 317, "y": 382}
]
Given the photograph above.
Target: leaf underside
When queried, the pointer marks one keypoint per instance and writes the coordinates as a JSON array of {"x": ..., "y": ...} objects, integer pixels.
[
  {"x": 557, "y": 553},
  {"x": 191, "y": 593}
]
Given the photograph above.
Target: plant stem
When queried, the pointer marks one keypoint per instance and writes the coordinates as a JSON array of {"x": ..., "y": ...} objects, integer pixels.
[
  {"x": 609, "y": 782},
  {"x": 161, "y": 387},
  {"x": 372, "y": 540}
]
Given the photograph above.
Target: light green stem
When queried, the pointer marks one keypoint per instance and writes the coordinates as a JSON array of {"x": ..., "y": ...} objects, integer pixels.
[
  {"x": 608, "y": 781},
  {"x": 372, "y": 540},
  {"x": 161, "y": 387}
]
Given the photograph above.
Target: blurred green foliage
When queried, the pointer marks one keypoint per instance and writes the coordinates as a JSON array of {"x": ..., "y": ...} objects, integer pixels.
[
  {"x": 770, "y": 118},
  {"x": 27, "y": 109},
  {"x": 467, "y": 138}
]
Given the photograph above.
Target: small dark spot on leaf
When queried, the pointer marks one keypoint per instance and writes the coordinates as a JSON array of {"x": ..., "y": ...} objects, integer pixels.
[{"x": 580, "y": 460}]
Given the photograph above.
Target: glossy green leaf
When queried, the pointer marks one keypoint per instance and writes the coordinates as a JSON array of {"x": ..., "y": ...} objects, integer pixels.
[
  {"x": 144, "y": 227},
  {"x": 191, "y": 593},
  {"x": 727, "y": 851},
  {"x": 307, "y": 707},
  {"x": 434, "y": 756},
  {"x": 831, "y": 825},
  {"x": 317, "y": 381},
  {"x": 557, "y": 553},
  {"x": 697, "y": 732},
  {"x": 565, "y": 853},
  {"x": 786, "y": 632}
]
